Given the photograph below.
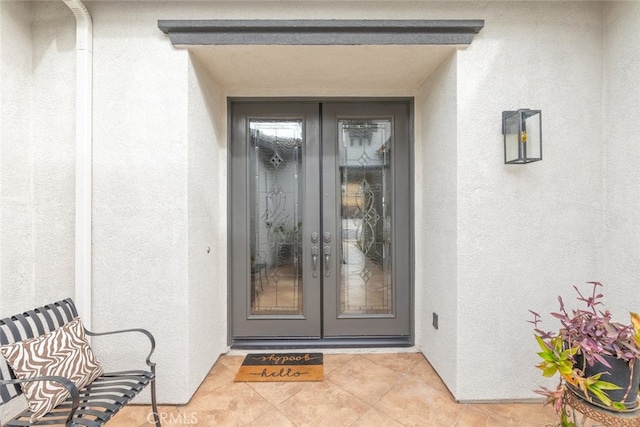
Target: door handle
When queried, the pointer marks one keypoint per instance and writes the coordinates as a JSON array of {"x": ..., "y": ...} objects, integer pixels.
[
  {"x": 314, "y": 260},
  {"x": 327, "y": 256}
]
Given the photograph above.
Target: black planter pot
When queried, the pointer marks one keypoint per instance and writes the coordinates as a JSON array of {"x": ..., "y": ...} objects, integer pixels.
[{"x": 621, "y": 373}]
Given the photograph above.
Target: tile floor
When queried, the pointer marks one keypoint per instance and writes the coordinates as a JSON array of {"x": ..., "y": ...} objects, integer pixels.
[{"x": 359, "y": 390}]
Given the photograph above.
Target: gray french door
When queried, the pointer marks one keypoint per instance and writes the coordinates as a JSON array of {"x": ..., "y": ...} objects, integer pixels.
[{"x": 320, "y": 242}]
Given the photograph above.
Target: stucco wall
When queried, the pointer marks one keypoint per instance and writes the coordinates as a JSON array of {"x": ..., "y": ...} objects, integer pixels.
[
  {"x": 436, "y": 278},
  {"x": 37, "y": 155},
  {"x": 140, "y": 199},
  {"x": 159, "y": 196},
  {"x": 16, "y": 205},
  {"x": 207, "y": 223},
  {"x": 53, "y": 150},
  {"x": 621, "y": 130},
  {"x": 16, "y": 247},
  {"x": 511, "y": 237},
  {"x": 146, "y": 146},
  {"x": 525, "y": 233},
  {"x": 37, "y": 78}
]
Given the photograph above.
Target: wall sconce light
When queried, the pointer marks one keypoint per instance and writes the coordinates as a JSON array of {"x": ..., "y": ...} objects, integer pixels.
[{"x": 522, "y": 130}]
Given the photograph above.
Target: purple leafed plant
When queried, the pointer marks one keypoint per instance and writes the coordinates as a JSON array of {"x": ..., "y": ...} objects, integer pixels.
[
  {"x": 593, "y": 331},
  {"x": 588, "y": 333}
]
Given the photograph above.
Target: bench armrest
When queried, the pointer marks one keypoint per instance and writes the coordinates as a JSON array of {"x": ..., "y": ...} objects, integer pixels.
[
  {"x": 142, "y": 331},
  {"x": 66, "y": 383}
]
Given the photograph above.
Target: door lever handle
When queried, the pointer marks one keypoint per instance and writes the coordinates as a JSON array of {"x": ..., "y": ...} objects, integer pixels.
[
  {"x": 314, "y": 261},
  {"x": 327, "y": 256}
]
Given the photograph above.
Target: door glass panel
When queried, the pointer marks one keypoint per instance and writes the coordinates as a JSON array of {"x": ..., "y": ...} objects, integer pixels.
[
  {"x": 365, "y": 285},
  {"x": 275, "y": 217}
]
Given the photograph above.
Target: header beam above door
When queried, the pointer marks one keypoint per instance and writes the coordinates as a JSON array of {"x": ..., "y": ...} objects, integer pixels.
[{"x": 320, "y": 32}]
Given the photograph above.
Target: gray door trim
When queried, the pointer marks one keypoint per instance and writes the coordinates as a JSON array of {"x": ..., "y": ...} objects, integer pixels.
[
  {"x": 328, "y": 342},
  {"x": 186, "y": 32}
]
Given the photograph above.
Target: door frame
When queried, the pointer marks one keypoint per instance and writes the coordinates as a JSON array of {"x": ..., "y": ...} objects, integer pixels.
[{"x": 324, "y": 342}]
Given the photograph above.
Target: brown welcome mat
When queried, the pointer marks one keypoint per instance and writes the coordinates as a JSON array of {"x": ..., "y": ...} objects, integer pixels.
[{"x": 281, "y": 367}]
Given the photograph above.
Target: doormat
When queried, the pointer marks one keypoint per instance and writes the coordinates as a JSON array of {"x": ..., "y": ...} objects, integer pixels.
[{"x": 281, "y": 367}]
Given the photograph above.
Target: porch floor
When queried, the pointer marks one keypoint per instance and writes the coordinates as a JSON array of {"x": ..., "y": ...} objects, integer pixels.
[{"x": 370, "y": 390}]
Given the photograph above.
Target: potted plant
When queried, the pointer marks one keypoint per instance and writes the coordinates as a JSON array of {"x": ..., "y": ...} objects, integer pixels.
[{"x": 595, "y": 357}]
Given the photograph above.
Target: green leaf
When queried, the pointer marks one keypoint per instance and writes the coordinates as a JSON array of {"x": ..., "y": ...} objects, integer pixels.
[
  {"x": 549, "y": 371},
  {"x": 635, "y": 321},
  {"x": 565, "y": 368},
  {"x": 604, "y": 385},
  {"x": 619, "y": 406},
  {"x": 602, "y": 396},
  {"x": 557, "y": 344},
  {"x": 565, "y": 420},
  {"x": 548, "y": 356},
  {"x": 541, "y": 343}
]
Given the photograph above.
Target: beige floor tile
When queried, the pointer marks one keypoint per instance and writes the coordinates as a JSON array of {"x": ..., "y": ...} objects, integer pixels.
[
  {"x": 424, "y": 372},
  {"x": 520, "y": 414},
  {"x": 140, "y": 415},
  {"x": 179, "y": 418},
  {"x": 401, "y": 363},
  {"x": 333, "y": 361},
  {"x": 218, "y": 377},
  {"x": 273, "y": 418},
  {"x": 364, "y": 379},
  {"x": 131, "y": 416},
  {"x": 235, "y": 404},
  {"x": 416, "y": 403},
  {"x": 474, "y": 418},
  {"x": 373, "y": 417},
  {"x": 323, "y": 404},
  {"x": 232, "y": 363},
  {"x": 276, "y": 393},
  {"x": 360, "y": 390}
]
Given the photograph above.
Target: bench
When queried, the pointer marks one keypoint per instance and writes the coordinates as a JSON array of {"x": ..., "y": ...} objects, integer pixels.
[{"x": 93, "y": 404}]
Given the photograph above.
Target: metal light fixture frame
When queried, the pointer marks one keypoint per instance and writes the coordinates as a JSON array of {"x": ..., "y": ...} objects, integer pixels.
[{"x": 527, "y": 141}]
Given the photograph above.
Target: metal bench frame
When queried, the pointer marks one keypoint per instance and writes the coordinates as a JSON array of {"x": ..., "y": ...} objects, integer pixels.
[{"x": 97, "y": 402}]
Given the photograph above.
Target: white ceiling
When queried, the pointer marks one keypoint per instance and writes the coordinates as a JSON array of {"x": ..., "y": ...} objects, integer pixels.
[{"x": 389, "y": 70}]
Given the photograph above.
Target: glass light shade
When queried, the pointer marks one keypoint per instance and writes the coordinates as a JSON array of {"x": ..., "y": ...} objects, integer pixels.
[{"x": 522, "y": 130}]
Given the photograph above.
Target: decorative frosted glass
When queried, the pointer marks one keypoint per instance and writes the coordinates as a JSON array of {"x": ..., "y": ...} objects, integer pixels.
[
  {"x": 365, "y": 180},
  {"x": 275, "y": 217}
]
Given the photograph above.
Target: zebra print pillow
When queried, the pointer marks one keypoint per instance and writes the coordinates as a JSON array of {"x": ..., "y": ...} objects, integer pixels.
[{"x": 64, "y": 352}]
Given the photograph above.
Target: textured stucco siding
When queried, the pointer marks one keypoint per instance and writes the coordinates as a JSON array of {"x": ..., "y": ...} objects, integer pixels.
[
  {"x": 491, "y": 240},
  {"x": 16, "y": 246},
  {"x": 16, "y": 205},
  {"x": 207, "y": 223},
  {"x": 436, "y": 278},
  {"x": 621, "y": 134},
  {"x": 140, "y": 191},
  {"x": 525, "y": 233},
  {"x": 37, "y": 148}
]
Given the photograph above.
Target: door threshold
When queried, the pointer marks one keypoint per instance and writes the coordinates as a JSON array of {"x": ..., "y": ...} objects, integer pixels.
[{"x": 303, "y": 343}]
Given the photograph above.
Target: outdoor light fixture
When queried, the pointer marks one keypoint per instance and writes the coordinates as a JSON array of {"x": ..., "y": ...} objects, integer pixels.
[{"x": 522, "y": 130}]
